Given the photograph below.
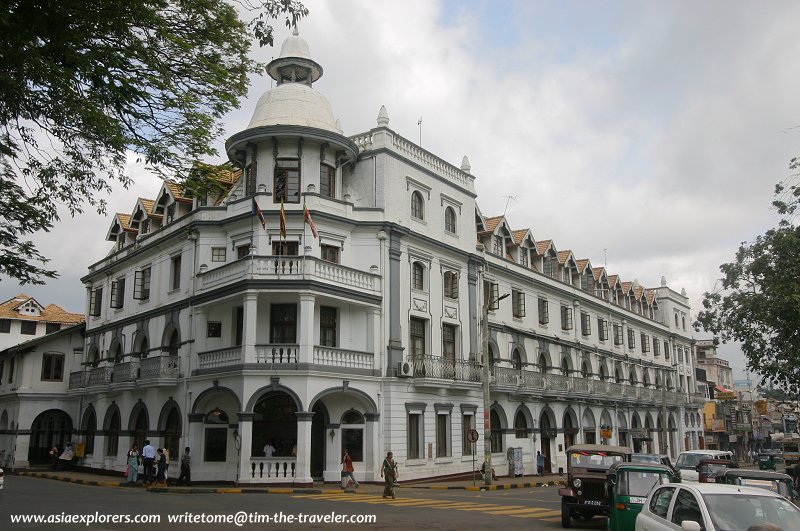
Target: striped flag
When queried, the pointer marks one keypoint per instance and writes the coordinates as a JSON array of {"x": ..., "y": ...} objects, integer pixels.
[
  {"x": 257, "y": 212},
  {"x": 309, "y": 221},
  {"x": 283, "y": 221}
]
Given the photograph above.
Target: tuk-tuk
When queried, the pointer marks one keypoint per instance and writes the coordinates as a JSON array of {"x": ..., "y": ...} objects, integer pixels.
[
  {"x": 766, "y": 462},
  {"x": 774, "y": 481},
  {"x": 709, "y": 469},
  {"x": 628, "y": 487}
]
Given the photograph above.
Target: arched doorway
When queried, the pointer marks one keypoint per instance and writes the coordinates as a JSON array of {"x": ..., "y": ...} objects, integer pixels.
[
  {"x": 171, "y": 432},
  {"x": 89, "y": 429},
  {"x": 111, "y": 427},
  {"x": 637, "y": 435},
  {"x": 570, "y": 428},
  {"x": 548, "y": 436},
  {"x": 353, "y": 435},
  {"x": 50, "y": 428},
  {"x": 496, "y": 432},
  {"x": 589, "y": 427},
  {"x": 139, "y": 425},
  {"x": 275, "y": 422},
  {"x": 516, "y": 360},
  {"x": 319, "y": 423}
]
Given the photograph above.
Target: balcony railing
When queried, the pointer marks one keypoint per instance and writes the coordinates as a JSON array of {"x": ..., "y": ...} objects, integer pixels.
[
  {"x": 223, "y": 357},
  {"x": 278, "y": 353},
  {"x": 159, "y": 367},
  {"x": 446, "y": 369},
  {"x": 78, "y": 379},
  {"x": 100, "y": 376},
  {"x": 125, "y": 372},
  {"x": 270, "y": 470},
  {"x": 338, "y": 357}
]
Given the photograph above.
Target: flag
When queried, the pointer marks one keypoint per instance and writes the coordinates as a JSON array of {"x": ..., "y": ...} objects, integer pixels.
[
  {"x": 257, "y": 212},
  {"x": 310, "y": 222},
  {"x": 283, "y": 221}
]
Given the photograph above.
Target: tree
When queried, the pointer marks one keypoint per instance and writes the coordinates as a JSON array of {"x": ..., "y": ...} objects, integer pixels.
[
  {"x": 757, "y": 301},
  {"x": 86, "y": 83}
]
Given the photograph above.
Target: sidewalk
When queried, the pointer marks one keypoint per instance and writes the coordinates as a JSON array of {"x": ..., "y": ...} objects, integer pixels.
[{"x": 100, "y": 480}]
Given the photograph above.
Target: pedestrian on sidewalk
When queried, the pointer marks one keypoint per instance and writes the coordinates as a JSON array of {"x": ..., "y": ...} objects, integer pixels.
[
  {"x": 389, "y": 475},
  {"x": 54, "y": 453},
  {"x": 133, "y": 465},
  {"x": 148, "y": 456},
  {"x": 269, "y": 450},
  {"x": 347, "y": 468},
  {"x": 186, "y": 468},
  {"x": 161, "y": 478},
  {"x": 539, "y": 463}
]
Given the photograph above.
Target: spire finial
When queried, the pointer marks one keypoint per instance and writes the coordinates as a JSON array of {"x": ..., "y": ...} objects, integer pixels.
[
  {"x": 294, "y": 31},
  {"x": 465, "y": 167},
  {"x": 383, "y": 117}
]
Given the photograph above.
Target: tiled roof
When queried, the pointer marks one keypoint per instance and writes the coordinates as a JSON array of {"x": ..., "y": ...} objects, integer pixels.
[
  {"x": 626, "y": 287},
  {"x": 563, "y": 256},
  {"x": 613, "y": 280},
  {"x": 125, "y": 222},
  {"x": 177, "y": 192},
  {"x": 598, "y": 272},
  {"x": 492, "y": 223},
  {"x": 50, "y": 313},
  {"x": 519, "y": 235},
  {"x": 582, "y": 263},
  {"x": 148, "y": 204},
  {"x": 637, "y": 292},
  {"x": 651, "y": 295},
  {"x": 543, "y": 246}
]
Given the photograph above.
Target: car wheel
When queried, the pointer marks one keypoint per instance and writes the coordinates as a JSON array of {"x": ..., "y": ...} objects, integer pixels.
[{"x": 566, "y": 517}]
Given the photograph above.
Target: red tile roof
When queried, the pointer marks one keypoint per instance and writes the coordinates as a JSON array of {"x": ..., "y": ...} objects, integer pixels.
[{"x": 50, "y": 313}]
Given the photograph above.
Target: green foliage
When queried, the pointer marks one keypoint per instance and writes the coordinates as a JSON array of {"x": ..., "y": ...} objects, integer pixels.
[
  {"x": 86, "y": 83},
  {"x": 757, "y": 301}
]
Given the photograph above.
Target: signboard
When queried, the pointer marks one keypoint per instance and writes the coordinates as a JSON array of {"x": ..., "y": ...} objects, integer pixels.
[
  {"x": 472, "y": 436},
  {"x": 518, "y": 461},
  {"x": 80, "y": 449},
  {"x": 725, "y": 395},
  {"x": 605, "y": 431},
  {"x": 761, "y": 407}
]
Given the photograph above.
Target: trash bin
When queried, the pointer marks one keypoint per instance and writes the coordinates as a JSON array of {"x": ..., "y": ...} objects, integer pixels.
[{"x": 344, "y": 479}]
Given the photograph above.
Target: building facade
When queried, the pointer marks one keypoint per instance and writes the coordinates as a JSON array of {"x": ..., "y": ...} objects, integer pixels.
[
  {"x": 22, "y": 318},
  {"x": 328, "y": 292}
]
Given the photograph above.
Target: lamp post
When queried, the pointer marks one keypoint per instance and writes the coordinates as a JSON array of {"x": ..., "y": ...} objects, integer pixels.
[{"x": 487, "y": 400}]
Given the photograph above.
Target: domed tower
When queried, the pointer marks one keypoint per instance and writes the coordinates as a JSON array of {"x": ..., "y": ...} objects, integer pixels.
[{"x": 293, "y": 144}]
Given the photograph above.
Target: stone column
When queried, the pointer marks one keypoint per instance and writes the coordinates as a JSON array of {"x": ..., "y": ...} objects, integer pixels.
[
  {"x": 303, "y": 468},
  {"x": 373, "y": 457},
  {"x": 305, "y": 331},
  {"x": 246, "y": 448},
  {"x": 195, "y": 441},
  {"x": 373, "y": 337},
  {"x": 395, "y": 346},
  {"x": 250, "y": 323}
]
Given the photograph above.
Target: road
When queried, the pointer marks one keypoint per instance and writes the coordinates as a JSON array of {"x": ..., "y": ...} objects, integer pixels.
[{"x": 535, "y": 508}]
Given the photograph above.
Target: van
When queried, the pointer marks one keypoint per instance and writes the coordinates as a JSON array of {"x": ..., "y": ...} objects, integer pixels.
[{"x": 687, "y": 462}]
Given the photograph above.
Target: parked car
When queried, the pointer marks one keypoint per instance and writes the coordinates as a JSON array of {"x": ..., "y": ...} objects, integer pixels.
[
  {"x": 586, "y": 493},
  {"x": 763, "y": 479},
  {"x": 687, "y": 461},
  {"x": 628, "y": 487},
  {"x": 655, "y": 458},
  {"x": 715, "y": 507}
]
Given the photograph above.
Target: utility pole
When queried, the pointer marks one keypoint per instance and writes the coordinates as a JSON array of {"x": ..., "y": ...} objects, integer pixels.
[{"x": 487, "y": 399}]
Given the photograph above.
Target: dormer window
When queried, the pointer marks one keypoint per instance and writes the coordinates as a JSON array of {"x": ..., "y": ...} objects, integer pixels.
[
  {"x": 523, "y": 257},
  {"x": 145, "y": 227},
  {"x": 170, "y": 213},
  {"x": 497, "y": 245}
]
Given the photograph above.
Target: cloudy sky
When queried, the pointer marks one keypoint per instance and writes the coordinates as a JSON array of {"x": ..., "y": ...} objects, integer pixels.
[{"x": 648, "y": 135}]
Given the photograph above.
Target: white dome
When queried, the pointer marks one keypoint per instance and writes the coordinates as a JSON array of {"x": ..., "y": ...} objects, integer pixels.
[
  {"x": 294, "y": 104},
  {"x": 295, "y": 46}
]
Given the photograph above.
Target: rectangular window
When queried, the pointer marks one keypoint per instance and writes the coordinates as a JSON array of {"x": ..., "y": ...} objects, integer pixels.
[
  {"x": 120, "y": 242},
  {"x": 467, "y": 424},
  {"x": 52, "y": 327},
  {"x": 28, "y": 328},
  {"x": 517, "y": 303},
  {"x": 327, "y": 181},
  {"x": 327, "y": 326},
  {"x": 631, "y": 338},
  {"x": 5, "y": 326},
  {"x": 544, "y": 311},
  {"x": 586, "y": 324},
  {"x": 283, "y": 323},
  {"x": 523, "y": 257},
  {"x": 602, "y": 328},
  {"x": 175, "y": 272},
  {"x": 95, "y": 302},
  {"x": 287, "y": 181},
  {"x": 284, "y": 249},
  {"x": 216, "y": 445},
  {"x": 118, "y": 293},
  {"x": 645, "y": 342},
  {"x": 238, "y": 319},
  {"x": 656, "y": 347},
  {"x": 449, "y": 343},
  {"x": 52, "y": 367},
  {"x": 329, "y": 253},
  {"x": 442, "y": 435},
  {"x": 497, "y": 245},
  {"x": 566, "y": 318},
  {"x": 549, "y": 268},
  {"x": 242, "y": 251},
  {"x": 141, "y": 284},
  {"x": 414, "y": 436},
  {"x": 11, "y": 366},
  {"x": 219, "y": 254},
  {"x": 417, "y": 333},
  {"x": 214, "y": 329},
  {"x": 451, "y": 284},
  {"x": 494, "y": 296},
  {"x": 617, "y": 334}
]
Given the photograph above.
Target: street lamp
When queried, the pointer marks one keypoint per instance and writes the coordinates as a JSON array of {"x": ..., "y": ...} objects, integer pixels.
[{"x": 487, "y": 404}]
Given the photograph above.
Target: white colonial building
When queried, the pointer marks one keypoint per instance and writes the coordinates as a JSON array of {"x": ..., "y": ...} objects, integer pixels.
[{"x": 207, "y": 329}]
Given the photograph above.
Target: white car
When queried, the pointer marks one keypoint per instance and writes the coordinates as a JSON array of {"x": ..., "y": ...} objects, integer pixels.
[
  {"x": 715, "y": 507},
  {"x": 687, "y": 461}
]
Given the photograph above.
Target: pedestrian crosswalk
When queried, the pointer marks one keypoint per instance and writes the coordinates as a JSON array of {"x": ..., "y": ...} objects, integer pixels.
[{"x": 514, "y": 511}]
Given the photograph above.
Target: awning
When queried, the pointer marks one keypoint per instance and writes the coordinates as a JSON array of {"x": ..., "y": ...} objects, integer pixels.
[{"x": 722, "y": 389}]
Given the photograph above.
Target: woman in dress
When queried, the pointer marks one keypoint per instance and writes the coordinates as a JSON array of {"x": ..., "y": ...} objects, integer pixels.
[
  {"x": 133, "y": 464},
  {"x": 389, "y": 475}
]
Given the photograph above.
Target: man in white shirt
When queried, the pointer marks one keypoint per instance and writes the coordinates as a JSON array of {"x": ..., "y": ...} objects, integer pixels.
[
  {"x": 148, "y": 456},
  {"x": 268, "y": 451}
]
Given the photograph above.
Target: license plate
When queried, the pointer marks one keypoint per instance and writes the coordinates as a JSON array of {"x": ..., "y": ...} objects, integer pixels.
[
  {"x": 591, "y": 502},
  {"x": 640, "y": 501}
]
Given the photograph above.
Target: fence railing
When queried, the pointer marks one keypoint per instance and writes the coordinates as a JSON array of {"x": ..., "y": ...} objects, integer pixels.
[{"x": 159, "y": 367}]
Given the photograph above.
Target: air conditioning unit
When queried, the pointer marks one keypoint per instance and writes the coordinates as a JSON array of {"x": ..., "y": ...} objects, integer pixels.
[{"x": 404, "y": 369}]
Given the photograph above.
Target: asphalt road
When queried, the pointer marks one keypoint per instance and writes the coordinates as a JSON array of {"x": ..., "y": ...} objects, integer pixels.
[{"x": 534, "y": 508}]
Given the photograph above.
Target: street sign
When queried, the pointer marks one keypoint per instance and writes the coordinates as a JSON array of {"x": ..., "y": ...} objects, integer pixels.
[{"x": 472, "y": 436}]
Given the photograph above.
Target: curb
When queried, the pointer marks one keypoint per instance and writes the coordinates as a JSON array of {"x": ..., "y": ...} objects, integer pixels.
[
  {"x": 507, "y": 486},
  {"x": 66, "y": 479}
]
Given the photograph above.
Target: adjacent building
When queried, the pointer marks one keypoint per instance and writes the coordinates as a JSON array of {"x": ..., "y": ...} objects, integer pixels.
[{"x": 23, "y": 318}]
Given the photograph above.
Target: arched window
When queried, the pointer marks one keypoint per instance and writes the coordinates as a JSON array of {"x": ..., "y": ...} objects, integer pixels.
[
  {"x": 451, "y": 284},
  {"x": 521, "y": 426},
  {"x": 516, "y": 360},
  {"x": 353, "y": 434},
  {"x": 216, "y": 436},
  {"x": 144, "y": 346},
  {"x": 617, "y": 375},
  {"x": 565, "y": 366},
  {"x": 603, "y": 375},
  {"x": 633, "y": 377},
  {"x": 116, "y": 352},
  {"x": 417, "y": 206},
  {"x": 172, "y": 348},
  {"x": 542, "y": 363},
  {"x": 450, "y": 220},
  {"x": 94, "y": 355},
  {"x": 585, "y": 371},
  {"x": 417, "y": 276},
  {"x": 497, "y": 432},
  {"x": 112, "y": 434}
]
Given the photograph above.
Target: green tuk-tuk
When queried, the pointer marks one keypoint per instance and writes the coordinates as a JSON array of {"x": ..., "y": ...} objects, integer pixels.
[
  {"x": 774, "y": 481},
  {"x": 628, "y": 487},
  {"x": 766, "y": 462}
]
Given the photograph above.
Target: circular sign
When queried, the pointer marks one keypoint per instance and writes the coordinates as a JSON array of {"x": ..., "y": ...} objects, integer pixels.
[{"x": 472, "y": 436}]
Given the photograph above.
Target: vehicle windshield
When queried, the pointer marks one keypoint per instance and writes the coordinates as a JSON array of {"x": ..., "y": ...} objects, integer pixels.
[
  {"x": 593, "y": 460},
  {"x": 738, "y": 512},
  {"x": 645, "y": 458},
  {"x": 690, "y": 460},
  {"x": 775, "y": 486},
  {"x": 635, "y": 483},
  {"x": 791, "y": 447}
]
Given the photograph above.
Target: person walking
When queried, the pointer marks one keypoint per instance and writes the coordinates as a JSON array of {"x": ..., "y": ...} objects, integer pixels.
[
  {"x": 148, "y": 456},
  {"x": 186, "y": 468},
  {"x": 269, "y": 450},
  {"x": 347, "y": 468},
  {"x": 539, "y": 463},
  {"x": 389, "y": 475},
  {"x": 133, "y": 464},
  {"x": 161, "y": 478},
  {"x": 54, "y": 453}
]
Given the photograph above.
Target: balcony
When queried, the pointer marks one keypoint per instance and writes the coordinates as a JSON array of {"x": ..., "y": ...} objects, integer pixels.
[
  {"x": 224, "y": 357},
  {"x": 439, "y": 368},
  {"x": 337, "y": 357},
  {"x": 290, "y": 268},
  {"x": 125, "y": 372},
  {"x": 287, "y": 356},
  {"x": 159, "y": 368},
  {"x": 78, "y": 379},
  {"x": 100, "y": 376}
]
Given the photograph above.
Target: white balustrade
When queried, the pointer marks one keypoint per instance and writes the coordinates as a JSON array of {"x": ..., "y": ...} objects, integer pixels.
[
  {"x": 337, "y": 357},
  {"x": 223, "y": 357}
]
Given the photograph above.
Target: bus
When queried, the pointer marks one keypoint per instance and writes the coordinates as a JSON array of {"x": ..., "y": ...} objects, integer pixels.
[{"x": 791, "y": 450}]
